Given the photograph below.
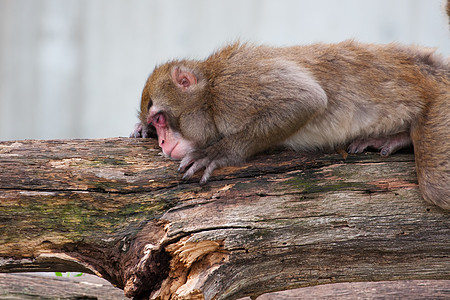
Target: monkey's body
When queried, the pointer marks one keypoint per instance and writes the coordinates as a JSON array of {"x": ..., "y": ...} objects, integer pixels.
[
  {"x": 370, "y": 91},
  {"x": 243, "y": 99}
]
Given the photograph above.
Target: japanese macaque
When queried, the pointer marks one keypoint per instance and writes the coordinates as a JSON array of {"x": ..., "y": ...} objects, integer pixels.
[
  {"x": 244, "y": 99},
  {"x": 448, "y": 10}
]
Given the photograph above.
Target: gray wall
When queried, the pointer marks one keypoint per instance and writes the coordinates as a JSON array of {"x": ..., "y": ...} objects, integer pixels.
[{"x": 75, "y": 68}]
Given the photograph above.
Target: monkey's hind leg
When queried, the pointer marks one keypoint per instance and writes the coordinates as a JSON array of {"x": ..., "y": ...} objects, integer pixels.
[{"x": 431, "y": 139}]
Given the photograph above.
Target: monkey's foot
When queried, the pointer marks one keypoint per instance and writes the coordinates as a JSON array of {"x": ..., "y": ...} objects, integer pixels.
[{"x": 386, "y": 145}]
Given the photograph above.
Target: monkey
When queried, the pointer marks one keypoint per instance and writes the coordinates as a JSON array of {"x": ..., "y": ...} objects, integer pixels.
[
  {"x": 245, "y": 98},
  {"x": 448, "y": 10}
]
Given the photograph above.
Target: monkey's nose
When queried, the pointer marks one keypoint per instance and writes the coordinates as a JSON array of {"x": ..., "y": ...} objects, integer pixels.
[{"x": 162, "y": 142}]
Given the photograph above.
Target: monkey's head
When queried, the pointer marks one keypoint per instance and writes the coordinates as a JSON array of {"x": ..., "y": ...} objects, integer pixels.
[{"x": 175, "y": 102}]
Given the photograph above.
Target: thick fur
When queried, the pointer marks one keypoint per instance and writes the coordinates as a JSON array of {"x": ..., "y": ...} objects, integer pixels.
[{"x": 314, "y": 97}]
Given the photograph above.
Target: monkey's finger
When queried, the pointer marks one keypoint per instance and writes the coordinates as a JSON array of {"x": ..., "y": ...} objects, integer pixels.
[
  {"x": 137, "y": 132},
  {"x": 188, "y": 174},
  {"x": 196, "y": 166},
  {"x": 208, "y": 171},
  {"x": 357, "y": 147},
  {"x": 183, "y": 167},
  {"x": 185, "y": 163}
]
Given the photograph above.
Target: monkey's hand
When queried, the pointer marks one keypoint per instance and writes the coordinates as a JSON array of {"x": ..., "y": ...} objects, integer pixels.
[
  {"x": 209, "y": 159},
  {"x": 137, "y": 132},
  {"x": 143, "y": 131}
]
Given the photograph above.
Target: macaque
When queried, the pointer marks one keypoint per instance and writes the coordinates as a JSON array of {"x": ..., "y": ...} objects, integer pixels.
[
  {"x": 448, "y": 10},
  {"x": 244, "y": 99}
]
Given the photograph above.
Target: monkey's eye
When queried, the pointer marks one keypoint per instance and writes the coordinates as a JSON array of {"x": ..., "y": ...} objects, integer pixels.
[{"x": 159, "y": 120}]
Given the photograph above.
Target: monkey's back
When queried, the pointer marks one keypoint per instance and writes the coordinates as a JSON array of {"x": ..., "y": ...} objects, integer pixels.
[{"x": 372, "y": 90}]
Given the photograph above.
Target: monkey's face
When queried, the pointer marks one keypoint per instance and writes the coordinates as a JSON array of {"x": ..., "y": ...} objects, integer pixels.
[
  {"x": 173, "y": 144},
  {"x": 173, "y": 103}
]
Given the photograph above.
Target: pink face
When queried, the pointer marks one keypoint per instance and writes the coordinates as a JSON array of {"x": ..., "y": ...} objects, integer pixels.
[{"x": 170, "y": 141}]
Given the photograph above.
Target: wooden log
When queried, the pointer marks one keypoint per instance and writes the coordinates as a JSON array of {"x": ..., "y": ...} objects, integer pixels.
[
  {"x": 118, "y": 209},
  {"x": 36, "y": 286}
]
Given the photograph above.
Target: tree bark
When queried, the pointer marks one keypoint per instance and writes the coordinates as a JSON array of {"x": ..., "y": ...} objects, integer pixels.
[
  {"x": 37, "y": 286},
  {"x": 118, "y": 209}
]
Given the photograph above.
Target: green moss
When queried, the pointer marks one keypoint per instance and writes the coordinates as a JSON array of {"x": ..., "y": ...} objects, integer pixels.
[
  {"x": 316, "y": 183},
  {"x": 114, "y": 161},
  {"x": 76, "y": 216}
]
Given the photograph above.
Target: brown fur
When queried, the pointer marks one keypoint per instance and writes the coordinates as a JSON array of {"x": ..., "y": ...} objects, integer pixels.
[
  {"x": 321, "y": 96},
  {"x": 448, "y": 9}
]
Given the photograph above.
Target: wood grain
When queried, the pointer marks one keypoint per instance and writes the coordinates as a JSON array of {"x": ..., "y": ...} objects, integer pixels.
[{"x": 117, "y": 208}]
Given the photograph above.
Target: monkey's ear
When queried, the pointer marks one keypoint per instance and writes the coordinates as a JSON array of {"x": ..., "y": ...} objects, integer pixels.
[{"x": 183, "y": 79}]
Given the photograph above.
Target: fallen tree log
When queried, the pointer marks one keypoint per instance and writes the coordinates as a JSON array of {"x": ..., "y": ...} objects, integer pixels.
[
  {"x": 118, "y": 209},
  {"x": 37, "y": 286}
]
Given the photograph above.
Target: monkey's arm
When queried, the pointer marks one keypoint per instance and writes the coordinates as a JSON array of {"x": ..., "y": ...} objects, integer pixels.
[{"x": 293, "y": 97}]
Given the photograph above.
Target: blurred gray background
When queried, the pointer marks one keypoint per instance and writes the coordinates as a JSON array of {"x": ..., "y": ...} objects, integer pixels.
[{"x": 76, "y": 68}]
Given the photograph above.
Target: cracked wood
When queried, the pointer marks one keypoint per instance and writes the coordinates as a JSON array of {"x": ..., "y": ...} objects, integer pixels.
[{"x": 117, "y": 208}]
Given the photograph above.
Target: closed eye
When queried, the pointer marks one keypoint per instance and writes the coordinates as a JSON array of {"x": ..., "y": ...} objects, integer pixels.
[{"x": 159, "y": 120}]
